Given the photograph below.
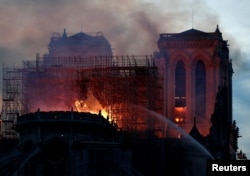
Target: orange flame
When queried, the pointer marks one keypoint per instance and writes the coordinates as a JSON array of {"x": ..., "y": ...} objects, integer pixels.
[
  {"x": 82, "y": 106},
  {"x": 91, "y": 104}
]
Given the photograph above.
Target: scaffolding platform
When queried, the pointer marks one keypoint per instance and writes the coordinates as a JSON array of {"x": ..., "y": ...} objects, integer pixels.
[{"x": 123, "y": 88}]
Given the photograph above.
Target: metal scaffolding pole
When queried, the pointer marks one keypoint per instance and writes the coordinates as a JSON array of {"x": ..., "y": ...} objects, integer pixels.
[{"x": 124, "y": 86}]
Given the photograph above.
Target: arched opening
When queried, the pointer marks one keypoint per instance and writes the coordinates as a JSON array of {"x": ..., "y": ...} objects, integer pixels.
[
  {"x": 200, "y": 89},
  {"x": 180, "y": 93}
]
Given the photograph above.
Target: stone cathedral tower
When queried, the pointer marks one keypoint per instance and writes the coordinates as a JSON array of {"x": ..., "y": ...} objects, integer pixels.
[{"x": 196, "y": 64}]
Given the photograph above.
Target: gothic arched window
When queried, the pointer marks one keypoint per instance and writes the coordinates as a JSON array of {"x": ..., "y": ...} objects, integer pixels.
[
  {"x": 200, "y": 89},
  {"x": 180, "y": 85}
]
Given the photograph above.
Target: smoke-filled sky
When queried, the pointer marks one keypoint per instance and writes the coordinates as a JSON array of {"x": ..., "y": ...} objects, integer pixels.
[{"x": 132, "y": 27}]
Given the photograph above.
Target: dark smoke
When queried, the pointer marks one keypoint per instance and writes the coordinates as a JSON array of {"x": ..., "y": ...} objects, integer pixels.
[
  {"x": 131, "y": 26},
  {"x": 238, "y": 57}
]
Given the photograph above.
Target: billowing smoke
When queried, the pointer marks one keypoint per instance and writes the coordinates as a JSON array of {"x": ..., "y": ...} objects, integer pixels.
[
  {"x": 131, "y": 26},
  {"x": 238, "y": 57}
]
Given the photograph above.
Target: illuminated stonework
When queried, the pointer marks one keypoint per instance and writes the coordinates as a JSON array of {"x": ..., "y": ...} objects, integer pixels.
[{"x": 195, "y": 64}]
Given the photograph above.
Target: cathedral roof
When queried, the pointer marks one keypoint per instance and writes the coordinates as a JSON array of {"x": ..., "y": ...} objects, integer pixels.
[
  {"x": 81, "y": 36},
  {"x": 78, "y": 38},
  {"x": 191, "y": 34}
]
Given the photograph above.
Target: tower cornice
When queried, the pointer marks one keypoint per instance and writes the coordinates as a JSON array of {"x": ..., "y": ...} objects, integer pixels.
[{"x": 188, "y": 44}]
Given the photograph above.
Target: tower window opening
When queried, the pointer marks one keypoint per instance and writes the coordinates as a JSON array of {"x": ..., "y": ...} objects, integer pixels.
[
  {"x": 200, "y": 89},
  {"x": 180, "y": 85},
  {"x": 180, "y": 93}
]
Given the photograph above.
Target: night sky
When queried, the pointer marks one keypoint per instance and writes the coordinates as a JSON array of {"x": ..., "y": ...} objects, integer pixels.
[{"x": 132, "y": 27}]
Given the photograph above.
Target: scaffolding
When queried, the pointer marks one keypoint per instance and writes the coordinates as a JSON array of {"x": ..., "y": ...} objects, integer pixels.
[
  {"x": 12, "y": 102},
  {"x": 127, "y": 89},
  {"x": 124, "y": 88}
]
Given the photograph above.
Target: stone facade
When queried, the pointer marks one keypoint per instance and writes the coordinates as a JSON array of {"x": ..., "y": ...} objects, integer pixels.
[{"x": 195, "y": 64}]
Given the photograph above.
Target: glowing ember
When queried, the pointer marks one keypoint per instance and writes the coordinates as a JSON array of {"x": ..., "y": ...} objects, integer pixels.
[
  {"x": 179, "y": 114},
  {"x": 178, "y": 119}
]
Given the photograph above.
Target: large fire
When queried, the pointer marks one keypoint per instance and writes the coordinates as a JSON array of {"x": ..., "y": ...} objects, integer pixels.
[
  {"x": 91, "y": 104},
  {"x": 82, "y": 106}
]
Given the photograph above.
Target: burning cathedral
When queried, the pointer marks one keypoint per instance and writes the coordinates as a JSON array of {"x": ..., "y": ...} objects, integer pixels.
[{"x": 80, "y": 110}]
